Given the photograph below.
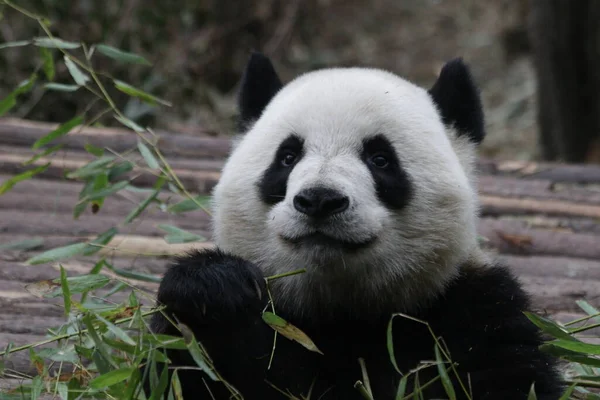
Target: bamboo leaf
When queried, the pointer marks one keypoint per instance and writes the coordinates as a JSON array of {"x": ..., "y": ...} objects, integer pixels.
[
  {"x": 60, "y": 87},
  {"x": 148, "y": 156},
  {"x": 121, "y": 55},
  {"x": 19, "y": 43},
  {"x": 107, "y": 191},
  {"x": 59, "y": 253},
  {"x": 190, "y": 205},
  {"x": 65, "y": 289},
  {"x": 144, "y": 204},
  {"x": 446, "y": 382},
  {"x": 9, "y": 183},
  {"x": 289, "y": 331},
  {"x": 129, "y": 123},
  {"x": 55, "y": 43},
  {"x": 177, "y": 235},
  {"x": 78, "y": 76},
  {"x": 61, "y": 130},
  {"x": 549, "y": 327},
  {"x": 140, "y": 94},
  {"x": 27, "y": 244},
  {"x": 48, "y": 63},
  {"x": 44, "y": 153}
]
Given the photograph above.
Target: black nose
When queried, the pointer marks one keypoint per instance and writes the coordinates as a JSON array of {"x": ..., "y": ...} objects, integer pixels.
[{"x": 320, "y": 202}]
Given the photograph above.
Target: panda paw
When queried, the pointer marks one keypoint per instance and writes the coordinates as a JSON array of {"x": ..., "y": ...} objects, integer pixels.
[{"x": 210, "y": 287}]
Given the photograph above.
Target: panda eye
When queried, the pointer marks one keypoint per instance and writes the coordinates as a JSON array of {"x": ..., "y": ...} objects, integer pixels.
[
  {"x": 288, "y": 159},
  {"x": 379, "y": 161}
]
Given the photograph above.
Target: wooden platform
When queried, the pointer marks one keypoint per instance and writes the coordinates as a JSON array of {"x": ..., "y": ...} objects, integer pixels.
[{"x": 543, "y": 220}]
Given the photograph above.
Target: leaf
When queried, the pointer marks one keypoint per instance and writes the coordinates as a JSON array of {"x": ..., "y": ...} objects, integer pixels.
[
  {"x": 78, "y": 76},
  {"x": 589, "y": 309},
  {"x": 60, "y": 87},
  {"x": 289, "y": 331},
  {"x": 140, "y": 94},
  {"x": 77, "y": 284},
  {"x": 549, "y": 326},
  {"x": 46, "y": 152},
  {"x": 402, "y": 387},
  {"x": 121, "y": 55},
  {"x": 176, "y": 385},
  {"x": 190, "y": 205},
  {"x": 9, "y": 183},
  {"x": 19, "y": 43},
  {"x": 107, "y": 191},
  {"x": 65, "y": 289},
  {"x": 140, "y": 276},
  {"x": 176, "y": 235},
  {"x": 63, "y": 390},
  {"x": 11, "y": 100},
  {"x": 194, "y": 349},
  {"x": 27, "y": 244},
  {"x": 129, "y": 123},
  {"x": 55, "y": 43},
  {"x": 118, "y": 332},
  {"x": 48, "y": 63},
  {"x": 59, "y": 253},
  {"x": 590, "y": 349},
  {"x": 92, "y": 168},
  {"x": 103, "y": 239},
  {"x": 390, "y": 344},
  {"x": 8, "y": 103},
  {"x": 120, "y": 169},
  {"x": 567, "y": 394},
  {"x": 61, "y": 130},
  {"x": 96, "y": 151},
  {"x": 100, "y": 345},
  {"x": 569, "y": 355},
  {"x": 143, "y": 205},
  {"x": 111, "y": 378},
  {"x": 532, "y": 395},
  {"x": 148, "y": 156},
  {"x": 446, "y": 382}
]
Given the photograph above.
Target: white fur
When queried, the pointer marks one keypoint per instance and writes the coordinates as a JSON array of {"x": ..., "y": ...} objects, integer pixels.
[{"x": 417, "y": 249}]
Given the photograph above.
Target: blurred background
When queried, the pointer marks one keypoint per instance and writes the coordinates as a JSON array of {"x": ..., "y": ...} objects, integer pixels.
[{"x": 535, "y": 61}]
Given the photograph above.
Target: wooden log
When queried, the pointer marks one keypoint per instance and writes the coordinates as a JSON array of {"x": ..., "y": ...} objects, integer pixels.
[
  {"x": 550, "y": 266},
  {"x": 542, "y": 189},
  {"x": 196, "y": 164},
  {"x": 42, "y": 223},
  {"x": 514, "y": 237},
  {"x": 494, "y": 205},
  {"x": 554, "y": 172},
  {"x": 119, "y": 204},
  {"x": 24, "y": 133},
  {"x": 194, "y": 181}
]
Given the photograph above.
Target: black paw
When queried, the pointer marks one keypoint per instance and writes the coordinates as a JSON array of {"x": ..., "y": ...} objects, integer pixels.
[{"x": 211, "y": 287}]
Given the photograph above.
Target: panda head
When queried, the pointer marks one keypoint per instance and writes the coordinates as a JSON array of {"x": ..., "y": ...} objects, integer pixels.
[{"x": 356, "y": 175}]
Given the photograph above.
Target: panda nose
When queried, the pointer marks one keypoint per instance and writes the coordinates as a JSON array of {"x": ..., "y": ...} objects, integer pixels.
[{"x": 320, "y": 202}]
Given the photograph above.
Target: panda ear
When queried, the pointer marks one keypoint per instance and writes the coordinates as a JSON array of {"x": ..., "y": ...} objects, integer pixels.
[
  {"x": 457, "y": 98},
  {"x": 259, "y": 84}
]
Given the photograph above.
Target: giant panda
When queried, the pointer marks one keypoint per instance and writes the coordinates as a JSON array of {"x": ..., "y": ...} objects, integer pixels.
[{"x": 366, "y": 183}]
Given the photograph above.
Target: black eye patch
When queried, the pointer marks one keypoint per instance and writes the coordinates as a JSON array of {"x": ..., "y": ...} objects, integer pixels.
[
  {"x": 273, "y": 184},
  {"x": 392, "y": 182}
]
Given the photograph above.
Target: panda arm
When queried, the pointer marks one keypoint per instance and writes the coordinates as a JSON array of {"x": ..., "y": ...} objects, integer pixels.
[
  {"x": 220, "y": 297},
  {"x": 482, "y": 322}
]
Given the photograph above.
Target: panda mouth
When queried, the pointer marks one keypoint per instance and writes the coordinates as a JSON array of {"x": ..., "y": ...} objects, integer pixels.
[{"x": 319, "y": 239}]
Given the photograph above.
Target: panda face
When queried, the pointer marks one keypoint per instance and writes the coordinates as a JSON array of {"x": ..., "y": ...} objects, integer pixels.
[{"x": 352, "y": 175}]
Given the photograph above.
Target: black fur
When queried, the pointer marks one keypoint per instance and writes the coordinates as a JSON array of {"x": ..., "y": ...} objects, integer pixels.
[
  {"x": 260, "y": 83},
  {"x": 392, "y": 182},
  {"x": 479, "y": 317},
  {"x": 273, "y": 185},
  {"x": 457, "y": 98}
]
